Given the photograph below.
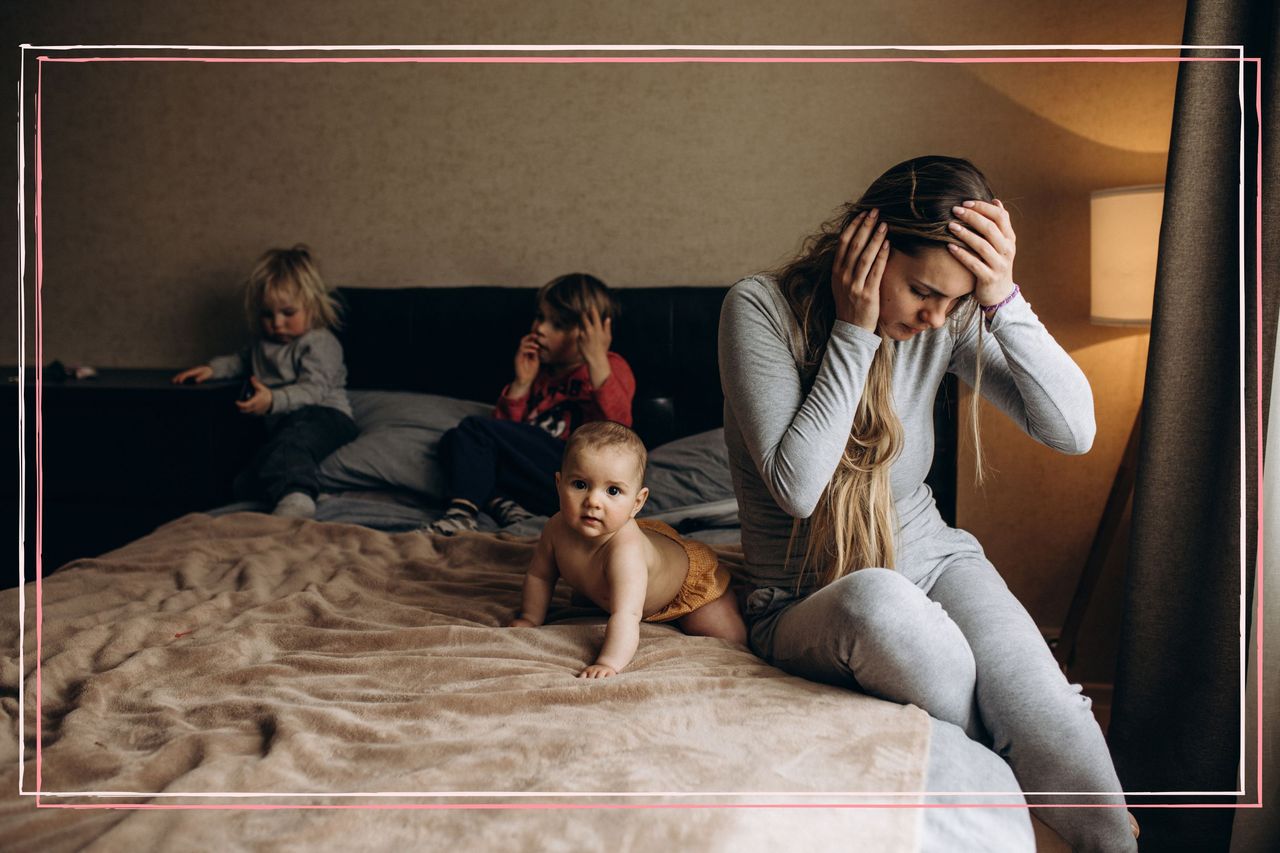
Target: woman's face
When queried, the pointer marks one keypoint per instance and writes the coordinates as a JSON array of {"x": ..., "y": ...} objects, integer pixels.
[{"x": 918, "y": 292}]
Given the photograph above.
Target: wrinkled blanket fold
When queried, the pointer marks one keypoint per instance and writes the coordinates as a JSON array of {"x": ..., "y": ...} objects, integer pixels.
[{"x": 250, "y": 655}]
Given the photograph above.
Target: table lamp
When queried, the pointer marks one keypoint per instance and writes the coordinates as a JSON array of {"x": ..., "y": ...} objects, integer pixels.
[{"x": 1124, "y": 238}]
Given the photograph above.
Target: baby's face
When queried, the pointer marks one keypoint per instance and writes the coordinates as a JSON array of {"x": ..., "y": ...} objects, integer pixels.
[
  {"x": 600, "y": 490},
  {"x": 284, "y": 316}
]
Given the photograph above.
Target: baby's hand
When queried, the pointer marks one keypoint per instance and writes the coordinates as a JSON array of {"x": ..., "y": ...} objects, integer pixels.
[
  {"x": 598, "y": 670},
  {"x": 197, "y": 375},
  {"x": 259, "y": 403},
  {"x": 520, "y": 622}
]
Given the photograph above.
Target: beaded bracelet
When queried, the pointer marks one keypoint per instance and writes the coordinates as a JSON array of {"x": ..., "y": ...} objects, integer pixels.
[{"x": 990, "y": 310}]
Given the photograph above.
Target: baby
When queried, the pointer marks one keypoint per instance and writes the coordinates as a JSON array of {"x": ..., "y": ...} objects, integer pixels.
[
  {"x": 565, "y": 376},
  {"x": 636, "y": 570}
]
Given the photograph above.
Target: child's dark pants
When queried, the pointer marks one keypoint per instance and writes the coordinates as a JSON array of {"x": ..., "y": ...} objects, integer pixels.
[
  {"x": 484, "y": 458},
  {"x": 298, "y": 442}
]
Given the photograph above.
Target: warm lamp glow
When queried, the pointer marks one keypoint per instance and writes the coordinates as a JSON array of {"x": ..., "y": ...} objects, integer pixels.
[{"x": 1124, "y": 235}]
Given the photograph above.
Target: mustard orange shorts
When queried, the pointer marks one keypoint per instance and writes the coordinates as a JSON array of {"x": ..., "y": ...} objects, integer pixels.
[{"x": 707, "y": 579}]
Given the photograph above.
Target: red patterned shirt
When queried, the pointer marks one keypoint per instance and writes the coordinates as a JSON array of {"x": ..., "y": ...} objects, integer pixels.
[{"x": 565, "y": 403}]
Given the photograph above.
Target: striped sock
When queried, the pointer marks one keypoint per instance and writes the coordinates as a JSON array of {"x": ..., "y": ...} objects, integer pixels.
[
  {"x": 507, "y": 512},
  {"x": 458, "y": 518}
]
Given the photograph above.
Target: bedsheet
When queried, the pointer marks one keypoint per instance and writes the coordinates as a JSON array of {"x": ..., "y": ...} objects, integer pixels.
[{"x": 286, "y": 665}]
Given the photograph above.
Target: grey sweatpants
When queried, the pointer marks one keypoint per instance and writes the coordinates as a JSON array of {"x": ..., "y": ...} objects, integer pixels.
[{"x": 945, "y": 634}]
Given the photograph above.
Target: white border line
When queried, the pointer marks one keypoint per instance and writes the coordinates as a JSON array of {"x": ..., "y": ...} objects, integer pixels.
[
  {"x": 644, "y": 47},
  {"x": 633, "y": 794},
  {"x": 657, "y": 48},
  {"x": 1243, "y": 762},
  {"x": 22, "y": 411}
]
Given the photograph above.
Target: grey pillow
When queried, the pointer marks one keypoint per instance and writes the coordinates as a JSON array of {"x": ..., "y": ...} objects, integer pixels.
[
  {"x": 396, "y": 448},
  {"x": 688, "y": 471}
]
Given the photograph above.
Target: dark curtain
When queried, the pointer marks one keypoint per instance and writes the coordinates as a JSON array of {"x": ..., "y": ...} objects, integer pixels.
[{"x": 1175, "y": 722}]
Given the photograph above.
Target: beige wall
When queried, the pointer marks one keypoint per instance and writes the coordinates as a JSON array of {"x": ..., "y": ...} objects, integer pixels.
[{"x": 163, "y": 181}]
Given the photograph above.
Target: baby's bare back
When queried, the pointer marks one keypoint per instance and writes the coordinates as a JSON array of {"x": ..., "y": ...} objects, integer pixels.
[{"x": 632, "y": 548}]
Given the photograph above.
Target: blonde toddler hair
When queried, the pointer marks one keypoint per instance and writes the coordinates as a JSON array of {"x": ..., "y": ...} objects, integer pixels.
[{"x": 290, "y": 271}]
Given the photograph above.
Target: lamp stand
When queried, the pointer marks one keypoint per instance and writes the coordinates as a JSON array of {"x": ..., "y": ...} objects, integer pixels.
[{"x": 1121, "y": 491}]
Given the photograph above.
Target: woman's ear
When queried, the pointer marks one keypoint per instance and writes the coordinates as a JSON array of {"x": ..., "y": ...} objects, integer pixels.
[{"x": 557, "y": 479}]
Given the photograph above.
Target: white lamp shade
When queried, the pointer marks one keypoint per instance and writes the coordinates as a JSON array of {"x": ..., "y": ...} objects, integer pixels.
[{"x": 1124, "y": 236}]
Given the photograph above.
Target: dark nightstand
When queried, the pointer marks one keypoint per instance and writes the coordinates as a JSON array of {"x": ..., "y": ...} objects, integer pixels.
[{"x": 122, "y": 453}]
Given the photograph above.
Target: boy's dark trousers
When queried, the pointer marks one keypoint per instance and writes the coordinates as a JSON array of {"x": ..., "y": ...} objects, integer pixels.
[
  {"x": 485, "y": 458},
  {"x": 298, "y": 442}
]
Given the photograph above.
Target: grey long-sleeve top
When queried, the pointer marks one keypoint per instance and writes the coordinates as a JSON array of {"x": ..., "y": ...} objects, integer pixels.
[
  {"x": 784, "y": 442},
  {"x": 307, "y": 371}
]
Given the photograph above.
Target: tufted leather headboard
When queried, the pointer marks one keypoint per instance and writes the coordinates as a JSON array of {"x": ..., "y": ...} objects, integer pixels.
[{"x": 460, "y": 341}]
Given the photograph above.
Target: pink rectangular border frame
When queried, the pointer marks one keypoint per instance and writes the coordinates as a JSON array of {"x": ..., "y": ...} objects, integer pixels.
[{"x": 522, "y": 59}]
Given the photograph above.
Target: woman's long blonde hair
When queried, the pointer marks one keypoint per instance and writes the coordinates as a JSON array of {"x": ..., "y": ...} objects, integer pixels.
[{"x": 855, "y": 523}]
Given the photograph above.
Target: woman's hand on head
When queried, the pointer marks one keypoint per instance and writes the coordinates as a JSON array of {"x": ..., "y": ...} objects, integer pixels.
[
  {"x": 259, "y": 403},
  {"x": 203, "y": 373},
  {"x": 595, "y": 336},
  {"x": 988, "y": 234},
  {"x": 860, "y": 258}
]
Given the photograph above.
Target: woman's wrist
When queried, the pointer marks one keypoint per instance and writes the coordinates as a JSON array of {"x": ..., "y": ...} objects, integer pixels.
[{"x": 990, "y": 310}]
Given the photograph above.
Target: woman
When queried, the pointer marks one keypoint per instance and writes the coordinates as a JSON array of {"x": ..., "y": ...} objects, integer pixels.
[{"x": 830, "y": 368}]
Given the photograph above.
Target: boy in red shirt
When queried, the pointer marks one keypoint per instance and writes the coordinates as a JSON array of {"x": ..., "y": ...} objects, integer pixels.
[{"x": 565, "y": 376}]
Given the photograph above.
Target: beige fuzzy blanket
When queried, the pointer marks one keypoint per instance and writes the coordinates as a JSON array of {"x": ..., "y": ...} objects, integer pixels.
[{"x": 253, "y": 655}]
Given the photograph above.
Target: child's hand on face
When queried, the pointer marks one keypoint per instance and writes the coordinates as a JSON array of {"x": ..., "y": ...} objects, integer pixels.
[
  {"x": 259, "y": 403},
  {"x": 527, "y": 364},
  {"x": 598, "y": 670},
  {"x": 197, "y": 375},
  {"x": 594, "y": 337}
]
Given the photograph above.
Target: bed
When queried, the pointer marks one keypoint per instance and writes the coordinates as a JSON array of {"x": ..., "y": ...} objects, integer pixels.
[{"x": 239, "y": 681}]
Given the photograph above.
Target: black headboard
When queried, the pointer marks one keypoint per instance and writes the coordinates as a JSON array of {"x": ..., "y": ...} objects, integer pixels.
[{"x": 459, "y": 342}]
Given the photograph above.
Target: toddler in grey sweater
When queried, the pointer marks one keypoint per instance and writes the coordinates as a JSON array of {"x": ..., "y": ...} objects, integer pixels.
[{"x": 296, "y": 379}]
